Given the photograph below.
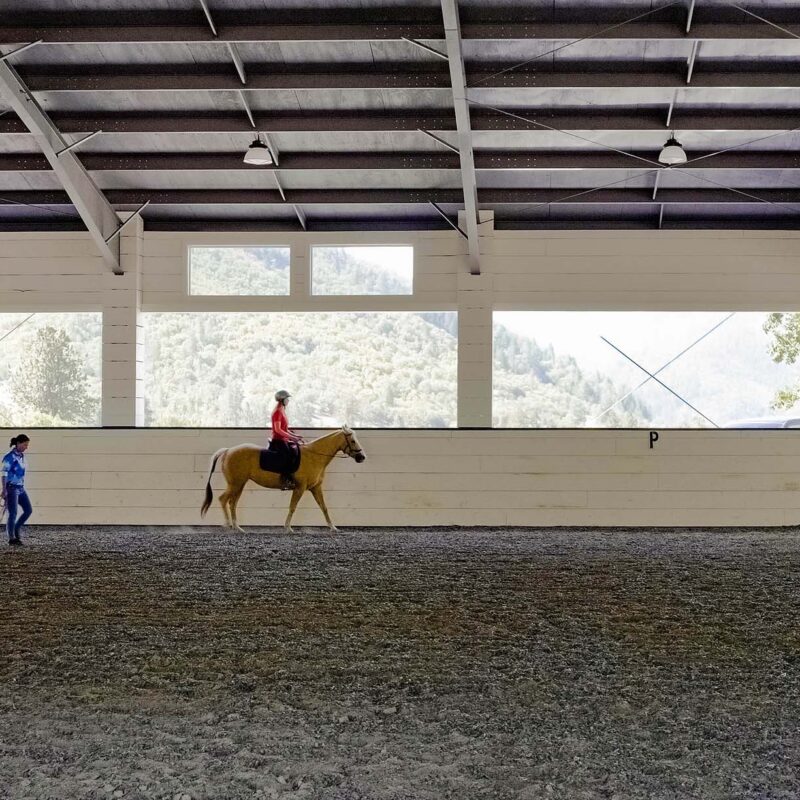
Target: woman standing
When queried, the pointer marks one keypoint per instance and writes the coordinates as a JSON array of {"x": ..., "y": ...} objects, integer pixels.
[
  {"x": 14, "y": 494},
  {"x": 284, "y": 440}
]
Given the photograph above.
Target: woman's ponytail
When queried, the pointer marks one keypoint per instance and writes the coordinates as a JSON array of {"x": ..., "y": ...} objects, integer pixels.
[{"x": 19, "y": 439}]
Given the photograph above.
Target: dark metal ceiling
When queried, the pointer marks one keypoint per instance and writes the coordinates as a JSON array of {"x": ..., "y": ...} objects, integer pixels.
[{"x": 569, "y": 138}]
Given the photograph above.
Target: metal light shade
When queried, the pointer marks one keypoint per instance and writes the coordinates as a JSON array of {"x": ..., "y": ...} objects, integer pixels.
[
  {"x": 258, "y": 154},
  {"x": 672, "y": 153}
]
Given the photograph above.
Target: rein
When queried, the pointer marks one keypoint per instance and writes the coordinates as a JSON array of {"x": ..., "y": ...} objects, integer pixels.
[{"x": 337, "y": 454}]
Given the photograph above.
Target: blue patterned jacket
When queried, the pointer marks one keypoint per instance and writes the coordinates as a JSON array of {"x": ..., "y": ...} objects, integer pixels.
[{"x": 14, "y": 468}]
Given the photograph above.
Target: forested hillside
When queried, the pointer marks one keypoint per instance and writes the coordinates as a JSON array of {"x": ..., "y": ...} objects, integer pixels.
[
  {"x": 365, "y": 369},
  {"x": 392, "y": 370},
  {"x": 538, "y": 388},
  {"x": 369, "y": 370}
]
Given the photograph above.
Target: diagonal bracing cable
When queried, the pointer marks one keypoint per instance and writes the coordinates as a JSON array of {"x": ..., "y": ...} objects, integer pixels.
[
  {"x": 626, "y": 152},
  {"x": 737, "y": 146},
  {"x": 661, "y": 369},
  {"x": 660, "y": 382},
  {"x": 790, "y": 209},
  {"x": 614, "y": 27},
  {"x": 764, "y": 19},
  {"x": 41, "y": 208},
  {"x": 605, "y": 30},
  {"x": 569, "y": 44},
  {"x": 657, "y": 166},
  {"x": 533, "y": 206},
  {"x": 19, "y": 325},
  {"x": 565, "y": 133}
]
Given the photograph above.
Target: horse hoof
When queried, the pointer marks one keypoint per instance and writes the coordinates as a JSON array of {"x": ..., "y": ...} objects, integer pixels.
[
  {"x": 239, "y": 530},
  {"x": 288, "y": 529},
  {"x": 334, "y": 529}
]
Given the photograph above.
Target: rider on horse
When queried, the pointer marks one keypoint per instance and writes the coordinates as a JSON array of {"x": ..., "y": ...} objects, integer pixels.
[{"x": 284, "y": 440}]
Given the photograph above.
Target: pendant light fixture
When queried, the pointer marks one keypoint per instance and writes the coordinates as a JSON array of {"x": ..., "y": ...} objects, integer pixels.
[
  {"x": 672, "y": 153},
  {"x": 258, "y": 154}
]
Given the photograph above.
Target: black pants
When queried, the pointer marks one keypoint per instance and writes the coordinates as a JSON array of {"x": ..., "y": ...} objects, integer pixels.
[{"x": 288, "y": 451}]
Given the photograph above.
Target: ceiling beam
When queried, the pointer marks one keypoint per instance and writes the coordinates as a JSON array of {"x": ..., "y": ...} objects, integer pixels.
[
  {"x": 209, "y": 18},
  {"x": 455, "y": 60},
  {"x": 691, "y": 61},
  {"x": 588, "y": 220},
  {"x": 381, "y": 24},
  {"x": 599, "y": 118},
  {"x": 689, "y": 15},
  {"x": 96, "y": 212},
  {"x": 309, "y": 197},
  {"x": 337, "y": 162},
  {"x": 64, "y": 78}
]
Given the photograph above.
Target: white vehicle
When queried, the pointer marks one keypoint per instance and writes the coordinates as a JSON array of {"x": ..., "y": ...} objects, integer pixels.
[{"x": 766, "y": 422}]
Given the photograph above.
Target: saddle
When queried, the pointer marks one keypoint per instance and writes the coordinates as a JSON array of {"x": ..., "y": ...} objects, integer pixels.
[{"x": 284, "y": 462}]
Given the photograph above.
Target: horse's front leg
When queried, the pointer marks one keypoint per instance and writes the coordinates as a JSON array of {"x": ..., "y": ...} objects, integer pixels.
[
  {"x": 316, "y": 491},
  {"x": 298, "y": 492}
]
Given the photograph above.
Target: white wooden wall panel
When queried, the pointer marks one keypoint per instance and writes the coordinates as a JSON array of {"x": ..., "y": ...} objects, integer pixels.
[
  {"x": 705, "y": 478},
  {"x": 154, "y": 477}
]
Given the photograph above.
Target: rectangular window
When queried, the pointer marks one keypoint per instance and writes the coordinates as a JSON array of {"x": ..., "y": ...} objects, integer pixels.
[
  {"x": 590, "y": 369},
  {"x": 383, "y": 370},
  {"x": 50, "y": 372},
  {"x": 362, "y": 270},
  {"x": 232, "y": 270}
]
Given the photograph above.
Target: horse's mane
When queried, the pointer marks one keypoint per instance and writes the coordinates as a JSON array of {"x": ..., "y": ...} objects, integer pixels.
[{"x": 343, "y": 429}]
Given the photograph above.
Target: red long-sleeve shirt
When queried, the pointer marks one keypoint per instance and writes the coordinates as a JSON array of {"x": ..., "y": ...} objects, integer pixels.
[{"x": 280, "y": 426}]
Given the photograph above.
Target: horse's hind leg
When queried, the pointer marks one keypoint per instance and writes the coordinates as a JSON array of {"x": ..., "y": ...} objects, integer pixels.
[
  {"x": 223, "y": 501},
  {"x": 236, "y": 494},
  {"x": 316, "y": 491}
]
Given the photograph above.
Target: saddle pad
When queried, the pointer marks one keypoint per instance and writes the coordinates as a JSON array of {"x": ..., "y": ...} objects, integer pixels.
[{"x": 277, "y": 460}]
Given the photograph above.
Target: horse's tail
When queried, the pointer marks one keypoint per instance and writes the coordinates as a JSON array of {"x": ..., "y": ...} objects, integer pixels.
[{"x": 209, "y": 493}]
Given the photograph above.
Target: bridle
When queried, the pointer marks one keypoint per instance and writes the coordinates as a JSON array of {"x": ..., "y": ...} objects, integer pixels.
[{"x": 350, "y": 450}]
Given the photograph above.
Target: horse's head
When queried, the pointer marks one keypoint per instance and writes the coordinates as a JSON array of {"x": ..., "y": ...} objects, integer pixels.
[{"x": 351, "y": 447}]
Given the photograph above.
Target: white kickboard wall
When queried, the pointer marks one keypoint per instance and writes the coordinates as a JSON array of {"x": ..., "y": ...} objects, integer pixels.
[{"x": 454, "y": 477}]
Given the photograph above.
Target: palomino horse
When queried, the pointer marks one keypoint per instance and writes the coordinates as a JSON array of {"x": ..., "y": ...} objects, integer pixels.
[{"x": 241, "y": 464}]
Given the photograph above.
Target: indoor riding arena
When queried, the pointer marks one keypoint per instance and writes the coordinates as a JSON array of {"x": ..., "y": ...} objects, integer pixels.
[{"x": 399, "y": 399}]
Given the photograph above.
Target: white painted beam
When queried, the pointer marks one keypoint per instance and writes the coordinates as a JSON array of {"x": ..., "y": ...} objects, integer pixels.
[
  {"x": 691, "y": 61},
  {"x": 207, "y": 12},
  {"x": 273, "y": 151},
  {"x": 95, "y": 211},
  {"x": 78, "y": 143},
  {"x": 247, "y": 109},
  {"x": 458, "y": 80},
  {"x": 237, "y": 61}
]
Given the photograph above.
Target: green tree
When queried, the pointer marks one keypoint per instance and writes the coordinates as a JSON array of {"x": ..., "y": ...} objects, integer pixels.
[
  {"x": 784, "y": 349},
  {"x": 54, "y": 380}
]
